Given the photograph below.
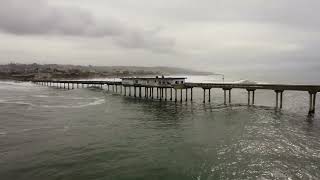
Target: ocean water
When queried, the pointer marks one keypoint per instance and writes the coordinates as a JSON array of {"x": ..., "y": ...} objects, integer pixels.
[{"x": 49, "y": 133}]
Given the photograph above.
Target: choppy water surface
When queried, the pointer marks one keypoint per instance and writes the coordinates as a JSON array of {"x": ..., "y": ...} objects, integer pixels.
[{"x": 49, "y": 133}]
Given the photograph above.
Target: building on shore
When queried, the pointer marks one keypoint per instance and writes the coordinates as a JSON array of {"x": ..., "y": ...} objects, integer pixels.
[{"x": 153, "y": 81}]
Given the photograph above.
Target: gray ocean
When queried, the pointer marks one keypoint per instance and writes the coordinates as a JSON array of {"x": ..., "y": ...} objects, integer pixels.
[{"x": 92, "y": 134}]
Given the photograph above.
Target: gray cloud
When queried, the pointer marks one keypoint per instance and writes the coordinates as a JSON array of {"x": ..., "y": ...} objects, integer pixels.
[
  {"x": 213, "y": 35},
  {"x": 39, "y": 18},
  {"x": 291, "y": 12}
]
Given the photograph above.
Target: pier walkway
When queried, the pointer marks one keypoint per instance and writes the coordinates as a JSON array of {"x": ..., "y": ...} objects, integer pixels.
[{"x": 170, "y": 91}]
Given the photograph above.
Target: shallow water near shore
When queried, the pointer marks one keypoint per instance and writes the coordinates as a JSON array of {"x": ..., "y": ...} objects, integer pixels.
[{"x": 49, "y": 133}]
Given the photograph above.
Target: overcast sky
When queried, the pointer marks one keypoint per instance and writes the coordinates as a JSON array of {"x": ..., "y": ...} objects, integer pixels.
[{"x": 215, "y": 35}]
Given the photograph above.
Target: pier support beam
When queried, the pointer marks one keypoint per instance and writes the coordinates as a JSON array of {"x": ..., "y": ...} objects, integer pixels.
[
  {"x": 186, "y": 94},
  {"x": 145, "y": 92},
  {"x": 191, "y": 98},
  {"x": 175, "y": 95},
  {"x": 152, "y": 93},
  {"x": 135, "y": 91},
  {"x": 279, "y": 101},
  {"x": 157, "y": 93},
  {"x": 139, "y": 91},
  {"x": 170, "y": 94},
  {"x": 209, "y": 95},
  {"x": 204, "y": 95},
  {"x": 229, "y": 96},
  {"x": 180, "y": 95},
  {"x": 249, "y": 96},
  {"x": 314, "y": 101},
  {"x": 125, "y": 90},
  {"x": 165, "y": 98},
  {"x": 312, "y": 106},
  {"x": 162, "y": 94},
  {"x": 225, "y": 97},
  {"x": 253, "y": 97}
]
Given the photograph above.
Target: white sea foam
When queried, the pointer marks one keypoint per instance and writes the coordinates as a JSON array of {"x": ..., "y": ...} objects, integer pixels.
[
  {"x": 41, "y": 96},
  {"x": 84, "y": 98},
  {"x": 12, "y": 85},
  {"x": 97, "y": 102},
  {"x": 17, "y": 102}
]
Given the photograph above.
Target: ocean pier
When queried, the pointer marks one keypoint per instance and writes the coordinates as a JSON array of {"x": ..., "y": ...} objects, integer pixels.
[{"x": 173, "y": 88}]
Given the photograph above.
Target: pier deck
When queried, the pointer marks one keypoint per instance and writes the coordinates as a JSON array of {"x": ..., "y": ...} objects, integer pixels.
[{"x": 162, "y": 90}]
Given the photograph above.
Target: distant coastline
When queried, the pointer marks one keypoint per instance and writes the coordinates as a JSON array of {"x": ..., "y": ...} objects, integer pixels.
[{"x": 27, "y": 72}]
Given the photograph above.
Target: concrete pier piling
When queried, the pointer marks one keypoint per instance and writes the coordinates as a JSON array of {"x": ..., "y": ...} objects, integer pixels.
[
  {"x": 279, "y": 99},
  {"x": 162, "y": 93},
  {"x": 186, "y": 94},
  {"x": 165, "y": 98},
  {"x": 225, "y": 97},
  {"x": 204, "y": 95},
  {"x": 152, "y": 93},
  {"x": 191, "y": 94},
  {"x": 312, "y": 102},
  {"x": 175, "y": 95},
  {"x": 251, "y": 96},
  {"x": 248, "y": 97}
]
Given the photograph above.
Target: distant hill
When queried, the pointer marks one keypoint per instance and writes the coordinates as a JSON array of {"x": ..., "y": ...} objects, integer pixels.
[
  {"x": 158, "y": 69},
  {"x": 58, "y": 71}
]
